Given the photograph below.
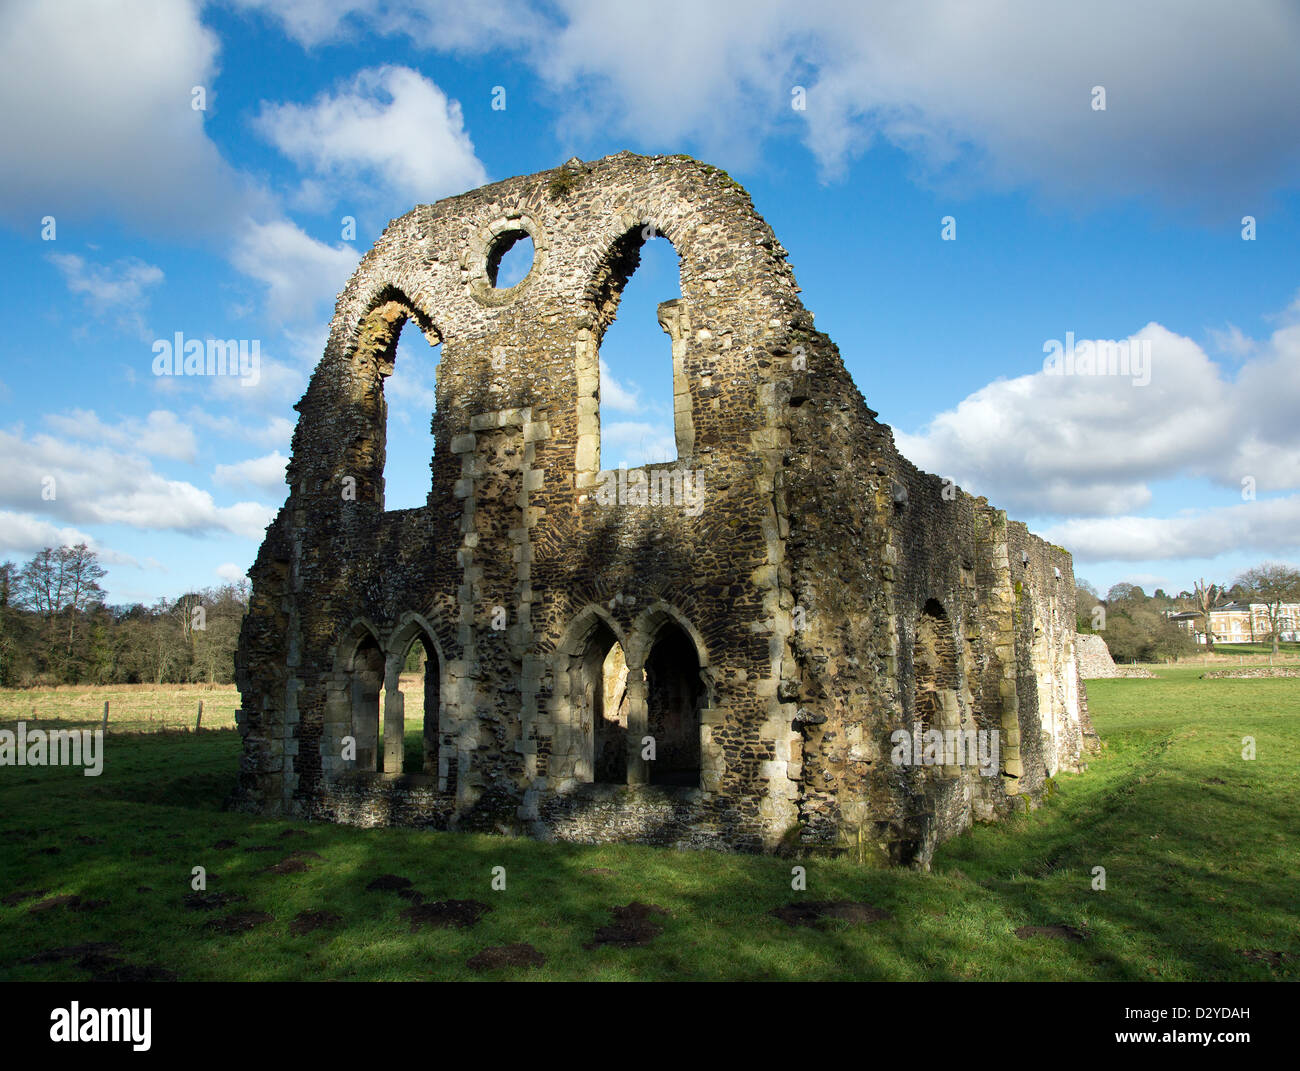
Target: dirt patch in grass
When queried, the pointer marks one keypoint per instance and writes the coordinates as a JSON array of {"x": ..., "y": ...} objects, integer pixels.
[
  {"x": 520, "y": 955},
  {"x": 309, "y": 921},
  {"x": 104, "y": 962},
  {"x": 388, "y": 883},
  {"x": 599, "y": 870},
  {"x": 263, "y": 848},
  {"x": 632, "y": 926},
  {"x": 240, "y": 921},
  {"x": 16, "y": 897},
  {"x": 1061, "y": 933},
  {"x": 118, "y": 971},
  {"x": 72, "y": 903},
  {"x": 1268, "y": 956},
  {"x": 210, "y": 901},
  {"x": 91, "y": 948},
  {"x": 444, "y": 913},
  {"x": 223, "y": 845},
  {"x": 811, "y": 912},
  {"x": 294, "y": 833},
  {"x": 88, "y": 841},
  {"x": 290, "y": 864}
]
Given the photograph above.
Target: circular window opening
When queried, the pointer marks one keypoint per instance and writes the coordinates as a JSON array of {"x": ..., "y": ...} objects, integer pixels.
[{"x": 510, "y": 259}]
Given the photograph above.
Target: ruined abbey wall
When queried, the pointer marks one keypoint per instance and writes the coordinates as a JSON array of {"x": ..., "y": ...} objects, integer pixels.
[{"x": 817, "y": 594}]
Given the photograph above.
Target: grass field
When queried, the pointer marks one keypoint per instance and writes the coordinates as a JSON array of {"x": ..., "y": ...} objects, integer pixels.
[
  {"x": 133, "y": 708},
  {"x": 1200, "y": 849},
  {"x": 1287, "y": 650}
]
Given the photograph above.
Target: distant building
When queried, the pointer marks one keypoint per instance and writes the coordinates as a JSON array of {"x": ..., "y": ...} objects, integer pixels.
[{"x": 1240, "y": 622}]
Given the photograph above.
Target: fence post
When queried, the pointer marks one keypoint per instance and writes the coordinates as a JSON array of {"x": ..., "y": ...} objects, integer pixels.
[
  {"x": 104, "y": 727},
  {"x": 199, "y": 720}
]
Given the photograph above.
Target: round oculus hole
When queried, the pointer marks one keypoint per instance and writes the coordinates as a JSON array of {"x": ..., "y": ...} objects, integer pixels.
[{"x": 510, "y": 259}]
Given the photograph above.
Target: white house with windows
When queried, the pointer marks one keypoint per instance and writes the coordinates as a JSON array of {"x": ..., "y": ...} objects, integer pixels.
[{"x": 1240, "y": 622}]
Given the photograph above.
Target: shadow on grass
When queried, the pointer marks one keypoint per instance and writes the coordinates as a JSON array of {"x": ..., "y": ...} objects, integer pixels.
[{"x": 1197, "y": 875}]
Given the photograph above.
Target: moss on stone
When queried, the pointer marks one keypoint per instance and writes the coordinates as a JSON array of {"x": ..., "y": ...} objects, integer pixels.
[{"x": 562, "y": 184}]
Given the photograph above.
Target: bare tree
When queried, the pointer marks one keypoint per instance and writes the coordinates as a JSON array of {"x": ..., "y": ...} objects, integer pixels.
[
  {"x": 39, "y": 585},
  {"x": 162, "y": 641},
  {"x": 1272, "y": 584},
  {"x": 81, "y": 574},
  {"x": 190, "y": 614},
  {"x": 40, "y": 590},
  {"x": 1205, "y": 598},
  {"x": 214, "y": 646}
]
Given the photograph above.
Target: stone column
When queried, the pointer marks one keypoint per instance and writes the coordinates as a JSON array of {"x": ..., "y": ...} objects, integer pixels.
[
  {"x": 676, "y": 324},
  {"x": 638, "y": 724},
  {"x": 394, "y": 716},
  {"x": 365, "y": 720}
]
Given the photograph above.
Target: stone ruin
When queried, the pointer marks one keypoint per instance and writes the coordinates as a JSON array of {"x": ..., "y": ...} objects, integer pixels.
[
  {"x": 725, "y": 651},
  {"x": 1095, "y": 662}
]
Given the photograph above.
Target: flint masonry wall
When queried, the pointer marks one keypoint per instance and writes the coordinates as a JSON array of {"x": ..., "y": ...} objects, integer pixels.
[
  {"x": 1094, "y": 657},
  {"x": 824, "y": 594}
]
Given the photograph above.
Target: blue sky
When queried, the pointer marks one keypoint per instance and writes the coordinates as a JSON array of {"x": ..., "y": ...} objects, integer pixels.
[{"x": 1122, "y": 223}]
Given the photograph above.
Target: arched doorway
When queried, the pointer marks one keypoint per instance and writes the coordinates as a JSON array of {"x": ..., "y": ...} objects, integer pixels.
[
  {"x": 593, "y": 703},
  {"x": 604, "y": 705},
  {"x": 610, "y": 710},
  {"x": 366, "y": 681},
  {"x": 941, "y": 700},
  {"x": 412, "y": 701},
  {"x": 674, "y": 698}
]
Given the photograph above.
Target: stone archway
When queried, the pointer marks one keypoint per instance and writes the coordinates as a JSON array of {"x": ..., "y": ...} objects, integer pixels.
[
  {"x": 668, "y": 659},
  {"x": 415, "y": 632},
  {"x": 352, "y": 708},
  {"x": 595, "y": 693},
  {"x": 936, "y": 677},
  {"x": 675, "y": 697}
]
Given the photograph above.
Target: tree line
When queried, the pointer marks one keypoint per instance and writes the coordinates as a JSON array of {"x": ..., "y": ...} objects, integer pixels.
[
  {"x": 1136, "y": 625},
  {"x": 56, "y": 627}
]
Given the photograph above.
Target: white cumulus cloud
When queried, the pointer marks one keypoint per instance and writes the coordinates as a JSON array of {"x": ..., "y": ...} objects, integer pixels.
[
  {"x": 1265, "y": 526},
  {"x": 266, "y": 474},
  {"x": 161, "y": 434},
  {"x": 390, "y": 126},
  {"x": 1000, "y": 95},
  {"x": 98, "y": 117},
  {"x": 301, "y": 273},
  {"x": 1091, "y": 445},
  {"x": 231, "y": 573},
  {"x": 76, "y": 484}
]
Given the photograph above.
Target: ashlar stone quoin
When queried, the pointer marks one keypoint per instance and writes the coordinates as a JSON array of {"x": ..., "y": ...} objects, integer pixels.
[{"x": 720, "y": 652}]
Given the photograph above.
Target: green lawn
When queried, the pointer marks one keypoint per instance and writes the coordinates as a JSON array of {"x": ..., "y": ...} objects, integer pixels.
[
  {"x": 135, "y": 708},
  {"x": 1287, "y": 650},
  {"x": 1199, "y": 848}
]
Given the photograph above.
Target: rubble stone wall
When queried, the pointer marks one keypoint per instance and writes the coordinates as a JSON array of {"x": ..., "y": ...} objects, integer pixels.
[{"x": 1095, "y": 661}]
